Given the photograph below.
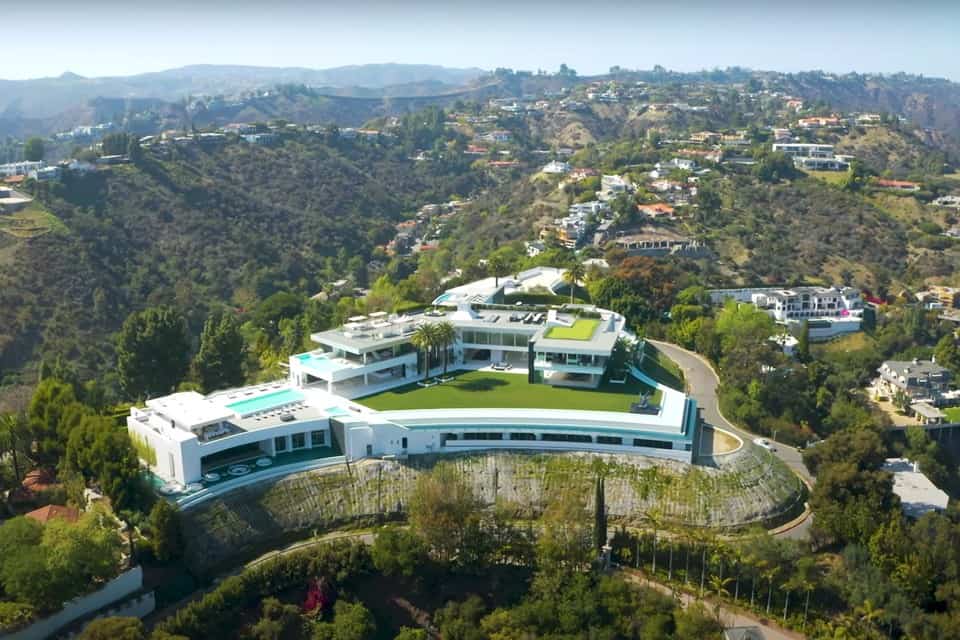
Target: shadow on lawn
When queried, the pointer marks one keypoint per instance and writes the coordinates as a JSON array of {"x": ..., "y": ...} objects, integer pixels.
[{"x": 482, "y": 384}]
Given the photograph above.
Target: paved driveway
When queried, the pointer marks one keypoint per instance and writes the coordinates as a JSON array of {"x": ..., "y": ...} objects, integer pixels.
[{"x": 702, "y": 382}]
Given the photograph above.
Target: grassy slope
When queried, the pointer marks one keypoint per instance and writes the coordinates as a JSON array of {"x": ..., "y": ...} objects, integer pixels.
[{"x": 506, "y": 390}]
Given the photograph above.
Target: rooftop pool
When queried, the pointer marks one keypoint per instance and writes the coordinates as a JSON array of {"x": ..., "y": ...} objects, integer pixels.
[
  {"x": 319, "y": 362},
  {"x": 266, "y": 402}
]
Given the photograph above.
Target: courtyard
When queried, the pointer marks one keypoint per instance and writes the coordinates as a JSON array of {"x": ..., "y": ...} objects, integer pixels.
[{"x": 488, "y": 389}]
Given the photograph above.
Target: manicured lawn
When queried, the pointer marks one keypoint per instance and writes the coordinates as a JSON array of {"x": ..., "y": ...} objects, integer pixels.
[
  {"x": 30, "y": 222},
  {"x": 508, "y": 391},
  {"x": 953, "y": 414},
  {"x": 832, "y": 177},
  {"x": 582, "y": 329}
]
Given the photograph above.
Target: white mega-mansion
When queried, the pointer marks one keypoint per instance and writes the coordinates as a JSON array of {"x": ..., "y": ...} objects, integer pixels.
[{"x": 185, "y": 436}]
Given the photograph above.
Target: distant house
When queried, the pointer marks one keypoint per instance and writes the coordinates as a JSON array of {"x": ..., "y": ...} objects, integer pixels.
[
  {"x": 947, "y": 201},
  {"x": 803, "y": 149},
  {"x": 534, "y": 248},
  {"x": 582, "y": 173},
  {"x": 656, "y": 210},
  {"x": 20, "y": 168},
  {"x": 818, "y": 122},
  {"x": 46, "y": 174},
  {"x": 43, "y": 515},
  {"x": 12, "y": 201},
  {"x": 896, "y": 185},
  {"x": 476, "y": 150},
  {"x": 920, "y": 380},
  {"x": 685, "y": 164},
  {"x": 821, "y": 164},
  {"x": 705, "y": 137},
  {"x": 499, "y": 136},
  {"x": 260, "y": 138},
  {"x": 918, "y": 495},
  {"x": 556, "y": 167}
]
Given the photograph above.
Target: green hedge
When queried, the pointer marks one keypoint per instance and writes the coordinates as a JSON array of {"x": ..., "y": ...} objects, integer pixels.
[{"x": 218, "y": 613}]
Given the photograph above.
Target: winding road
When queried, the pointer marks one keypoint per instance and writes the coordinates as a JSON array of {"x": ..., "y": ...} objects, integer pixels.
[{"x": 702, "y": 382}]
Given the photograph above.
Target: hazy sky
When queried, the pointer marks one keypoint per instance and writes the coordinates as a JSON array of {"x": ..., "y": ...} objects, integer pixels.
[{"x": 109, "y": 37}]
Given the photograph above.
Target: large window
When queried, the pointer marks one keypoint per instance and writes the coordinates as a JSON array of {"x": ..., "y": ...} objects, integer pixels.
[
  {"x": 609, "y": 440},
  {"x": 280, "y": 443},
  {"x": 523, "y": 436},
  {"x": 566, "y": 437},
  {"x": 653, "y": 444},
  {"x": 318, "y": 438},
  {"x": 480, "y": 435},
  {"x": 299, "y": 440}
]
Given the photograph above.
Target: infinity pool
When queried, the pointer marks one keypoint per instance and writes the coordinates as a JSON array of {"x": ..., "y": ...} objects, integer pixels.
[{"x": 266, "y": 402}]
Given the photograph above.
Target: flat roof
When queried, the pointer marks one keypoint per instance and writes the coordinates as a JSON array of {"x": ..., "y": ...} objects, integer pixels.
[
  {"x": 367, "y": 337},
  {"x": 917, "y": 493},
  {"x": 190, "y": 409}
]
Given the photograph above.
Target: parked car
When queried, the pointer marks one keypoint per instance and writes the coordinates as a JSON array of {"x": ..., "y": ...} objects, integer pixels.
[{"x": 763, "y": 442}]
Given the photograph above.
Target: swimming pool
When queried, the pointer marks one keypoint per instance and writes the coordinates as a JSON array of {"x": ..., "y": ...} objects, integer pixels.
[
  {"x": 319, "y": 363},
  {"x": 266, "y": 401}
]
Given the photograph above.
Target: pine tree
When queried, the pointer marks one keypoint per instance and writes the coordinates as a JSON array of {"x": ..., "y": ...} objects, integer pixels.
[
  {"x": 600, "y": 514},
  {"x": 803, "y": 343},
  {"x": 219, "y": 362}
]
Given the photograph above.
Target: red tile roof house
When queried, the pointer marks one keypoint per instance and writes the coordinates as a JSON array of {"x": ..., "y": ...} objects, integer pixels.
[
  {"x": 43, "y": 515},
  {"x": 899, "y": 185},
  {"x": 655, "y": 210}
]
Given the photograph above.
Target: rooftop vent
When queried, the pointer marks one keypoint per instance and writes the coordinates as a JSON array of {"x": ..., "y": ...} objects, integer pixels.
[{"x": 287, "y": 417}]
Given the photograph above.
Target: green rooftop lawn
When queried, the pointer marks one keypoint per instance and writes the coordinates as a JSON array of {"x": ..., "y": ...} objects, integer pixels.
[
  {"x": 582, "y": 329},
  {"x": 509, "y": 391},
  {"x": 953, "y": 414}
]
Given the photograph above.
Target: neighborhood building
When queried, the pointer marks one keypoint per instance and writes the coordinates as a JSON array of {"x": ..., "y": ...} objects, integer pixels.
[
  {"x": 828, "y": 311},
  {"x": 918, "y": 495},
  {"x": 921, "y": 380}
]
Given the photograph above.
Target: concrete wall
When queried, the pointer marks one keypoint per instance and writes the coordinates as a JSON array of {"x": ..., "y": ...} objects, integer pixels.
[{"x": 120, "y": 587}]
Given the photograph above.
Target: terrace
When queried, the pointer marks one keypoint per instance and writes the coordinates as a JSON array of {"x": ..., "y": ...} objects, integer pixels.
[
  {"x": 485, "y": 389},
  {"x": 581, "y": 329}
]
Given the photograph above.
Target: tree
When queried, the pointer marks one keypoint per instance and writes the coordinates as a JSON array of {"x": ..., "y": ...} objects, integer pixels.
[
  {"x": 574, "y": 274},
  {"x": 14, "y": 438},
  {"x": 424, "y": 339},
  {"x": 166, "y": 534},
  {"x": 497, "y": 266},
  {"x": 219, "y": 362},
  {"x": 445, "y": 335},
  {"x": 33, "y": 149},
  {"x": 103, "y": 454},
  {"x": 52, "y": 403},
  {"x": 599, "y": 514},
  {"x": 351, "y": 621},
  {"x": 277, "y": 621},
  {"x": 947, "y": 354},
  {"x": 461, "y": 620},
  {"x": 152, "y": 352},
  {"x": 116, "y": 628},
  {"x": 407, "y": 633},
  {"x": 397, "y": 552},
  {"x": 803, "y": 342},
  {"x": 565, "y": 544},
  {"x": 443, "y": 509}
]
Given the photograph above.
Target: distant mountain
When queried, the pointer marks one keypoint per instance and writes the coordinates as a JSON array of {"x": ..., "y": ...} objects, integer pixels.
[{"x": 46, "y": 97}]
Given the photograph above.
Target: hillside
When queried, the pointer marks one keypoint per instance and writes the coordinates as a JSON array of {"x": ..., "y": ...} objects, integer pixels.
[
  {"x": 202, "y": 228},
  {"x": 45, "y": 97}
]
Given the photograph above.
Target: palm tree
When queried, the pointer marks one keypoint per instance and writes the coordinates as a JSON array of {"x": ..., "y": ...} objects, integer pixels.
[
  {"x": 424, "y": 340},
  {"x": 653, "y": 516},
  {"x": 445, "y": 334},
  {"x": 719, "y": 585},
  {"x": 497, "y": 266},
  {"x": 573, "y": 275},
  {"x": 769, "y": 575}
]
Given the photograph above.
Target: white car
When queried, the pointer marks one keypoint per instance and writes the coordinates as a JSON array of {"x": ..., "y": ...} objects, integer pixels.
[{"x": 763, "y": 442}]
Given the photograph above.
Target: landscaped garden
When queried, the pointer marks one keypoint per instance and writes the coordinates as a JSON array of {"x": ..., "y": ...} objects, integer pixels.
[
  {"x": 581, "y": 329},
  {"x": 509, "y": 391}
]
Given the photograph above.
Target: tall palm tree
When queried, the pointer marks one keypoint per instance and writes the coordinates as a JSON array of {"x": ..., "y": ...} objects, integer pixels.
[
  {"x": 424, "y": 340},
  {"x": 445, "y": 334},
  {"x": 769, "y": 574},
  {"x": 497, "y": 266},
  {"x": 575, "y": 273}
]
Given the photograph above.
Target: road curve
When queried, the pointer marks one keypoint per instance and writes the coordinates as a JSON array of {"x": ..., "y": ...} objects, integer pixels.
[{"x": 702, "y": 382}]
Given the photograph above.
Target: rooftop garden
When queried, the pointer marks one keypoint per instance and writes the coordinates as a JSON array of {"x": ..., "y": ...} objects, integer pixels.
[
  {"x": 582, "y": 329},
  {"x": 510, "y": 391}
]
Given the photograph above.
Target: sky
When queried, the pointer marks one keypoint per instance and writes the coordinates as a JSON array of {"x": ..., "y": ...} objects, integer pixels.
[{"x": 113, "y": 37}]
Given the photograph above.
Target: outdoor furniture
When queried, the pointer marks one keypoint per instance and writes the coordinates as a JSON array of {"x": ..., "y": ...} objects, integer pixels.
[
  {"x": 264, "y": 462},
  {"x": 211, "y": 476}
]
